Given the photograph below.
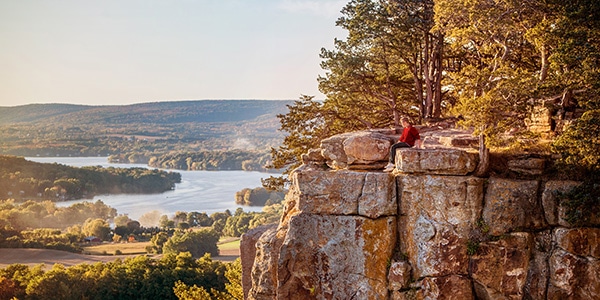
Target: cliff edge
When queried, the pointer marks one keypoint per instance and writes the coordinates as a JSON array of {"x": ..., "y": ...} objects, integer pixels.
[{"x": 428, "y": 230}]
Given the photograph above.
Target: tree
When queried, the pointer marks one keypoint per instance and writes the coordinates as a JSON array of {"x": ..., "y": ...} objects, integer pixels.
[
  {"x": 238, "y": 224},
  {"x": 121, "y": 220},
  {"x": 196, "y": 242},
  {"x": 185, "y": 292},
  {"x": 497, "y": 70},
  {"x": 234, "y": 276},
  {"x": 158, "y": 240},
  {"x": 579, "y": 145},
  {"x": 390, "y": 62},
  {"x": 305, "y": 124},
  {"x": 96, "y": 227}
]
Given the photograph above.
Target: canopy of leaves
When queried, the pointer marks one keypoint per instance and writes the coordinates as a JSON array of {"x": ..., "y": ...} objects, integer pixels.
[{"x": 196, "y": 242}]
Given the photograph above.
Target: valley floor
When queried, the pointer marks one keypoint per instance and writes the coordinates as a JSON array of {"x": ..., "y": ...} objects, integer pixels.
[{"x": 33, "y": 257}]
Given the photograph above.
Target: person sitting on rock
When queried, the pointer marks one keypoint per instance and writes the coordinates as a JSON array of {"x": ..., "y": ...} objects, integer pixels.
[{"x": 409, "y": 138}]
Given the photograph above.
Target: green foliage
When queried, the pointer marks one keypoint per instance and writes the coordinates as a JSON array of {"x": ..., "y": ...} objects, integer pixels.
[
  {"x": 96, "y": 227},
  {"x": 258, "y": 197},
  {"x": 184, "y": 292},
  {"x": 306, "y": 125},
  {"x": 234, "y": 278},
  {"x": 579, "y": 145},
  {"x": 582, "y": 203},
  {"x": 45, "y": 214},
  {"x": 158, "y": 240},
  {"x": 472, "y": 247},
  {"x": 23, "y": 179},
  {"x": 134, "y": 278},
  {"x": 197, "y": 242},
  {"x": 213, "y": 160}
]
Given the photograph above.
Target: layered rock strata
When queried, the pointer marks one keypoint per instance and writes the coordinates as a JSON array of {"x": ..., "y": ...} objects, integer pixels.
[{"x": 429, "y": 230}]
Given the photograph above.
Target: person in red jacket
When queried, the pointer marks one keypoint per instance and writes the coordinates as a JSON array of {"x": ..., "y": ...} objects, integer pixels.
[{"x": 409, "y": 138}]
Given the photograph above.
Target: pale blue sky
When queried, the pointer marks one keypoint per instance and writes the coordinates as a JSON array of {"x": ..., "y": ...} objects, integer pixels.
[{"x": 105, "y": 52}]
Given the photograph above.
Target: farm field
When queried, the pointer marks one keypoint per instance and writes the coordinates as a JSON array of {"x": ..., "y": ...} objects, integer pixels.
[{"x": 229, "y": 251}]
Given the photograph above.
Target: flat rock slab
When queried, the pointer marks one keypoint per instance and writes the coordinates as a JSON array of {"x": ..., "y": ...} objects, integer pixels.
[{"x": 436, "y": 161}]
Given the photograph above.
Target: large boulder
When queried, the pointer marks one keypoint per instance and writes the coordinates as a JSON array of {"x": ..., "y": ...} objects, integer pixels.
[
  {"x": 357, "y": 150},
  {"x": 499, "y": 268},
  {"x": 437, "y": 214},
  {"x": 322, "y": 256},
  {"x": 511, "y": 205},
  {"x": 436, "y": 161},
  {"x": 344, "y": 192}
]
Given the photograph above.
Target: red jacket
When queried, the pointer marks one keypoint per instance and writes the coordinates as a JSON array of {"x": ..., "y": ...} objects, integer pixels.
[{"x": 409, "y": 135}]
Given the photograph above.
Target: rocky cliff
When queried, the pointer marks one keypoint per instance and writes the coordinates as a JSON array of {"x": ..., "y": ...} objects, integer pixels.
[{"x": 428, "y": 230}]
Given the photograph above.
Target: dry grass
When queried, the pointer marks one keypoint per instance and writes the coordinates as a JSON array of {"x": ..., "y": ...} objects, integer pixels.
[
  {"x": 111, "y": 248},
  {"x": 230, "y": 245}
]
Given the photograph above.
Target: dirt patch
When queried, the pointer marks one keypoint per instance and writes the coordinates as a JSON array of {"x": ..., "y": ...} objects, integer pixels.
[{"x": 33, "y": 257}]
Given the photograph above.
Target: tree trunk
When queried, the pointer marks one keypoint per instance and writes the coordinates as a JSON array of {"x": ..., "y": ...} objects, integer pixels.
[
  {"x": 484, "y": 158},
  {"x": 545, "y": 64},
  {"x": 439, "y": 58}
]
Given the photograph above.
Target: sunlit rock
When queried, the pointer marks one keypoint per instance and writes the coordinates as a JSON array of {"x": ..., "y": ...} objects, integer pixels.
[
  {"x": 344, "y": 192},
  {"x": 436, "y": 217},
  {"x": 264, "y": 269},
  {"x": 357, "y": 150},
  {"x": 436, "y": 161},
  {"x": 511, "y": 205},
  {"x": 499, "y": 268},
  {"x": 573, "y": 277},
  {"x": 399, "y": 275},
  {"x": 335, "y": 257},
  {"x": 248, "y": 244}
]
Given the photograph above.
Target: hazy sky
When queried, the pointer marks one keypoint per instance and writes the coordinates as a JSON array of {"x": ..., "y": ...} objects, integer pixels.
[{"x": 129, "y": 51}]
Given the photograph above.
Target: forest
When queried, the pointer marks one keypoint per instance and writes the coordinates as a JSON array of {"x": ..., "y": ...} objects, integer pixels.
[{"x": 22, "y": 179}]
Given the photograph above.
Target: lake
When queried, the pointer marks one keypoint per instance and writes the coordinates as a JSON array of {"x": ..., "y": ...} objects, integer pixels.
[{"x": 201, "y": 191}]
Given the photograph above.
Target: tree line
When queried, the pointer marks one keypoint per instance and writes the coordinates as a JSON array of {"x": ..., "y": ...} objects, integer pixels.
[
  {"x": 23, "y": 179},
  {"x": 213, "y": 160},
  {"x": 174, "y": 276}
]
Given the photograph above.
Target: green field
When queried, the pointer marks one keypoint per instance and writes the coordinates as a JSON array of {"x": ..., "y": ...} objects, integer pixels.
[{"x": 226, "y": 244}]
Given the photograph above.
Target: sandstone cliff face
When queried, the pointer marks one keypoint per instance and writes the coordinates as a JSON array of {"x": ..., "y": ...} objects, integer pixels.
[{"x": 429, "y": 230}]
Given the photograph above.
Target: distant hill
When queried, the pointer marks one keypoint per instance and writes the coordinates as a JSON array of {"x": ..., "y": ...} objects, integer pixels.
[
  {"x": 144, "y": 113},
  {"x": 141, "y": 131}
]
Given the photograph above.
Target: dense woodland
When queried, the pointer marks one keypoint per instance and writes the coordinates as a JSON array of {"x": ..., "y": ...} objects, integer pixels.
[{"x": 23, "y": 179}]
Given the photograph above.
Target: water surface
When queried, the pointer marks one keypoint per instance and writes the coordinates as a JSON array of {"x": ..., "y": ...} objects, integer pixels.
[{"x": 202, "y": 191}]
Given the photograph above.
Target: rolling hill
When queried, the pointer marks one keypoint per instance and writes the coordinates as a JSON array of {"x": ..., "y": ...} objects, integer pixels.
[{"x": 144, "y": 129}]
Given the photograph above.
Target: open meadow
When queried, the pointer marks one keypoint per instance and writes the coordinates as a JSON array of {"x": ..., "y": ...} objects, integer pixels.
[{"x": 229, "y": 249}]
